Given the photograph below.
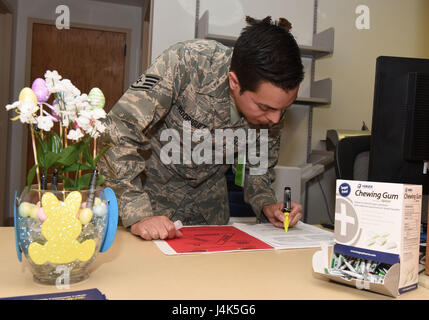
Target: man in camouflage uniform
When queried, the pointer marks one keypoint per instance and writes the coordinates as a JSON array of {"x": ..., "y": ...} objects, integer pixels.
[{"x": 193, "y": 82}]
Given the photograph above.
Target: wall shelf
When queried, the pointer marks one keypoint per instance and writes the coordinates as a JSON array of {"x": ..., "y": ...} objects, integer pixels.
[
  {"x": 322, "y": 46},
  {"x": 311, "y": 101}
]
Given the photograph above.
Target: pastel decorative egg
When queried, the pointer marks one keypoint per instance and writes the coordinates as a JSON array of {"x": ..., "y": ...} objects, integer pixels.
[
  {"x": 25, "y": 209},
  {"x": 27, "y": 95},
  {"x": 97, "y": 201},
  {"x": 96, "y": 98},
  {"x": 33, "y": 212},
  {"x": 40, "y": 89},
  {"x": 100, "y": 210},
  {"x": 41, "y": 214},
  {"x": 85, "y": 215}
]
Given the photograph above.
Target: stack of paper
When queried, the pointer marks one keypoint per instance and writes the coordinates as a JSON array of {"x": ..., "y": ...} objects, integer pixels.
[
  {"x": 300, "y": 236},
  {"x": 240, "y": 237}
]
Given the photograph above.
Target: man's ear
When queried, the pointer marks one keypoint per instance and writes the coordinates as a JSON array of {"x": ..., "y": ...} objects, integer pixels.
[{"x": 234, "y": 84}]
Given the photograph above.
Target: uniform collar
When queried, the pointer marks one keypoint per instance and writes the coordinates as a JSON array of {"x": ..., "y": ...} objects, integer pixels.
[{"x": 234, "y": 113}]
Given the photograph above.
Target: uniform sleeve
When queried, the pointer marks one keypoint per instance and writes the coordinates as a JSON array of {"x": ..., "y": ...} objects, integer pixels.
[
  {"x": 143, "y": 104},
  {"x": 257, "y": 188}
]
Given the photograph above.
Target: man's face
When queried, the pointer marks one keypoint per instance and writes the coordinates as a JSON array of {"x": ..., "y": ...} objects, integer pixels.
[{"x": 265, "y": 106}]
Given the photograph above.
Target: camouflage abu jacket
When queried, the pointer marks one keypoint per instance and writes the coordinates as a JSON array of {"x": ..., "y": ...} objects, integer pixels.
[{"x": 187, "y": 85}]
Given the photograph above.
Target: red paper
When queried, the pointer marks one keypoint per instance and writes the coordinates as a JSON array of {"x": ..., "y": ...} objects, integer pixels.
[{"x": 214, "y": 239}]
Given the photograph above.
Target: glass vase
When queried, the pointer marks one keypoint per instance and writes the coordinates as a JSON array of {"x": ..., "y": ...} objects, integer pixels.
[{"x": 60, "y": 232}]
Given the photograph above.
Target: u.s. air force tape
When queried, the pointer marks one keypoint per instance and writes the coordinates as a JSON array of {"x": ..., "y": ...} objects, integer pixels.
[{"x": 146, "y": 82}]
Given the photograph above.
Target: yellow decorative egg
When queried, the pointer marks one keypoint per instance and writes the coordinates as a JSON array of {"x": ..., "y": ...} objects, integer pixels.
[
  {"x": 25, "y": 209},
  {"x": 33, "y": 212},
  {"x": 27, "y": 95},
  {"x": 96, "y": 98},
  {"x": 85, "y": 215},
  {"x": 97, "y": 201}
]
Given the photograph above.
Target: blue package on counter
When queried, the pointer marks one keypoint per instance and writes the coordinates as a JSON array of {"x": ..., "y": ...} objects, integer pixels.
[{"x": 90, "y": 294}]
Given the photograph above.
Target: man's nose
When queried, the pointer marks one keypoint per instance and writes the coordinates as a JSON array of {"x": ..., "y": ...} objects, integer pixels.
[{"x": 274, "y": 117}]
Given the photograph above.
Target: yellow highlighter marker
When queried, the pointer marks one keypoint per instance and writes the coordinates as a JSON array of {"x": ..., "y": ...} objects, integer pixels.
[{"x": 287, "y": 207}]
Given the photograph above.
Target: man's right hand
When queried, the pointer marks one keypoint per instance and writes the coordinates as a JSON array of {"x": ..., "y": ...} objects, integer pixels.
[{"x": 157, "y": 227}]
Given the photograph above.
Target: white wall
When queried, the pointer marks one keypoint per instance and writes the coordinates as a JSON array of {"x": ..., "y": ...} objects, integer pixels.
[
  {"x": 81, "y": 11},
  {"x": 173, "y": 21},
  {"x": 227, "y": 16},
  {"x": 397, "y": 28}
]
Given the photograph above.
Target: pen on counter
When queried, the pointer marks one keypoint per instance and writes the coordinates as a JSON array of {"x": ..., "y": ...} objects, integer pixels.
[{"x": 287, "y": 207}]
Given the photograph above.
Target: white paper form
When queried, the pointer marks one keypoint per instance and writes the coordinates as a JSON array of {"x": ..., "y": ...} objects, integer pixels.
[{"x": 300, "y": 236}]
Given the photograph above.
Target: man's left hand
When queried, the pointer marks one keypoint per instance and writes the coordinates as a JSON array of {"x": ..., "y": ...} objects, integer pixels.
[{"x": 274, "y": 214}]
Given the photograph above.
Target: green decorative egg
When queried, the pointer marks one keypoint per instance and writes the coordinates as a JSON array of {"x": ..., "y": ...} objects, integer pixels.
[{"x": 96, "y": 98}]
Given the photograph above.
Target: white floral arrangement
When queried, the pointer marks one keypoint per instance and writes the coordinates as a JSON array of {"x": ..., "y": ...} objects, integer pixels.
[{"x": 80, "y": 120}]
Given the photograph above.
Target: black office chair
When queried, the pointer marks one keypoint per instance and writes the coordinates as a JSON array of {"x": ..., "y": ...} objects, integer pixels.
[{"x": 352, "y": 158}]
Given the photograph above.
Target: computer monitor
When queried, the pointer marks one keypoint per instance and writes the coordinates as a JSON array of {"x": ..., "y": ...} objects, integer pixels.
[{"x": 400, "y": 123}]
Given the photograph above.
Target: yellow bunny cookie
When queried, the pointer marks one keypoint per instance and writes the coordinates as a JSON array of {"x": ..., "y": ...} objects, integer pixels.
[{"x": 61, "y": 229}]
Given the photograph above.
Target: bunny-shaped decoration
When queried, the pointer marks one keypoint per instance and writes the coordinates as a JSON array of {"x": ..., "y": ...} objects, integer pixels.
[{"x": 61, "y": 229}]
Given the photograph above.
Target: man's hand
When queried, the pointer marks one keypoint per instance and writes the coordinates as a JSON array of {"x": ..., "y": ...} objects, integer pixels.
[
  {"x": 274, "y": 214},
  {"x": 157, "y": 227}
]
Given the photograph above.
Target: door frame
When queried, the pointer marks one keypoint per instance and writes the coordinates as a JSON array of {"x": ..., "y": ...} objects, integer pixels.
[
  {"x": 146, "y": 42},
  {"x": 7, "y": 17},
  {"x": 29, "y": 44}
]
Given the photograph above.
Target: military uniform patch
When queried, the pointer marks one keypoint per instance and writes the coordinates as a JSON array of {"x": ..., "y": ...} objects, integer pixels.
[{"x": 146, "y": 82}]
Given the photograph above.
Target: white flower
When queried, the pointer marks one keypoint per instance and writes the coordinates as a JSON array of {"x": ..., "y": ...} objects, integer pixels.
[
  {"x": 72, "y": 107},
  {"x": 98, "y": 113},
  {"x": 88, "y": 121},
  {"x": 75, "y": 134},
  {"x": 94, "y": 114},
  {"x": 53, "y": 81},
  {"x": 13, "y": 105},
  {"x": 52, "y": 75},
  {"x": 82, "y": 103},
  {"x": 100, "y": 126},
  {"x": 45, "y": 123},
  {"x": 27, "y": 117},
  {"x": 77, "y": 103},
  {"x": 85, "y": 124},
  {"x": 25, "y": 109},
  {"x": 69, "y": 88},
  {"x": 65, "y": 121}
]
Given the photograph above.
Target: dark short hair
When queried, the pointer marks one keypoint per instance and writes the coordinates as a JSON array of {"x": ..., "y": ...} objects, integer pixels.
[{"x": 267, "y": 51}]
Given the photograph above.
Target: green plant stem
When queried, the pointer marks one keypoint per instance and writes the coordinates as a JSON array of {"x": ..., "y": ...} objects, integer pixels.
[
  {"x": 35, "y": 155},
  {"x": 77, "y": 173}
]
